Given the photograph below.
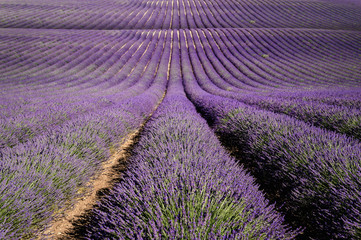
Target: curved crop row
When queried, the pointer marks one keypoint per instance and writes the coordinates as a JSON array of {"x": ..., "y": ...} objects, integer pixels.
[
  {"x": 332, "y": 96},
  {"x": 31, "y": 106},
  {"x": 342, "y": 119},
  {"x": 181, "y": 184},
  {"x": 179, "y": 14},
  {"x": 233, "y": 61},
  {"x": 41, "y": 175},
  {"x": 44, "y": 172},
  {"x": 232, "y": 71},
  {"x": 312, "y": 172}
]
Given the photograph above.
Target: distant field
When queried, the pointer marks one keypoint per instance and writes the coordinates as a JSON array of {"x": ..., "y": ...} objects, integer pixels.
[{"x": 247, "y": 115}]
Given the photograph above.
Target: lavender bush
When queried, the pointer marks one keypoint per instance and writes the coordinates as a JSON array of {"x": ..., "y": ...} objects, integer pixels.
[
  {"x": 44, "y": 172},
  {"x": 181, "y": 184},
  {"x": 312, "y": 172},
  {"x": 342, "y": 119}
]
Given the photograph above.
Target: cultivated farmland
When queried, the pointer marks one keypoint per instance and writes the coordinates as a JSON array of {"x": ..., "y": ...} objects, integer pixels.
[{"x": 247, "y": 117}]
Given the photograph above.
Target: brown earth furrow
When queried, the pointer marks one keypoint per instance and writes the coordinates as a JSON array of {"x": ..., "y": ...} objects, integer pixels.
[
  {"x": 104, "y": 180},
  {"x": 110, "y": 173}
]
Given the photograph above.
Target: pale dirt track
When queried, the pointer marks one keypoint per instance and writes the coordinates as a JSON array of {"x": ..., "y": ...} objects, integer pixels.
[{"x": 104, "y": 180}]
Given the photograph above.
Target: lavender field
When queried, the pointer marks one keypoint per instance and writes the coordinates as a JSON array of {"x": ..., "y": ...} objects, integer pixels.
[{"x": 247, "y": 116}]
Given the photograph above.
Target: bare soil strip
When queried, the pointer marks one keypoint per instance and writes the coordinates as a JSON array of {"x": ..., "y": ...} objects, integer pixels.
[
  {"x": 103, "y": 181},
  {"x": 60, "y": 226}
]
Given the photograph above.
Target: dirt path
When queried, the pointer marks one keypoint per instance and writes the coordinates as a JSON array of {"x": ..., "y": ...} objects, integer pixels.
[
  {"x": 104, "y": 180},
  {"x": 59, "y": 227}
]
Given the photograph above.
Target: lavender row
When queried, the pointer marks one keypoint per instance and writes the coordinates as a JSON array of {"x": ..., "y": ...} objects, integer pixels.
[
  {"x": 196, "y": 58},
  {"x": 72, "y": 63},
  {"x": 342, "y": 119},
  {"x": 180, "y": 14},
  {"x": 259, "y": 63},
  {"x": 32, "y": 112},
  {"x": 287, "y": 57},
  {"x": 38, "y": 177},
  {"x": 181, "y": 184},
  {"x": 314, "y": 173},
  {"x": 118, "y": 60},
  {"x": 212, "y": 77},
  {"x": 333, "y": 96},
  {"x": 42, "y": 174},
  {"x": 110, "y": 56}
]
